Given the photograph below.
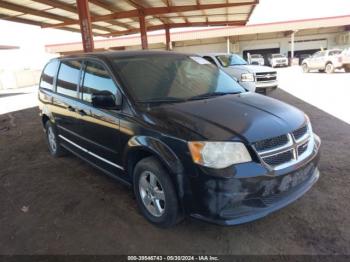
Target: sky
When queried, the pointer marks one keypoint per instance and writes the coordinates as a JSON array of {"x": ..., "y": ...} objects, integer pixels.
[{"x": 32, "y": 39}]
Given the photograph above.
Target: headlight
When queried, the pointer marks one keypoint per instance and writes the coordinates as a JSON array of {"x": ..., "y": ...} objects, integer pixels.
[
  {"x": 247, "y": 77},
  {"x": 218, "y": 154}
]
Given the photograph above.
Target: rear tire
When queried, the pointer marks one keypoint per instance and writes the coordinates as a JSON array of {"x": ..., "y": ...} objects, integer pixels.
[
  {"x": 305, "y": 68},
  {"x": 155, "y": 193},
  {"x": 329, "y": 68},
  {"x": 54, "y": 146},
  {"x": 347, "y": 69}
]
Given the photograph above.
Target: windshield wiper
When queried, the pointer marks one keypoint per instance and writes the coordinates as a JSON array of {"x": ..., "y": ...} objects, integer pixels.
[
  {"x": 209, "y": 95},
  {"x": 163, "y": 100}
]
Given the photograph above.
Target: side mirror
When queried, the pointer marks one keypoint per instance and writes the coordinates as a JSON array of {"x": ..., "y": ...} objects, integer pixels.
[{"x": 106, "y": 100}]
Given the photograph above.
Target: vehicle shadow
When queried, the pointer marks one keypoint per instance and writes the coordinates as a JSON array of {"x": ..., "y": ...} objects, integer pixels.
[{"x": 10, "y": 94}]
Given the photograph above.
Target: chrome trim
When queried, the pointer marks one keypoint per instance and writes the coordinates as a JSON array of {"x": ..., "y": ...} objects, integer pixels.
[
  {"x": 91, "y": 153},
  {"x": 303, "y": 156},
  {"x": 278, "y": 149},
  {"x": 291, "y": 145},
  {"x": 304, "y": 137}
]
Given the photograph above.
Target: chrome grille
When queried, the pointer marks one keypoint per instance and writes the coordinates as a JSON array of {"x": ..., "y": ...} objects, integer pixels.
[
  {"x": 278, "y": 159},
  {"x": 281, "y": 151},
  {"x": 300, "y": 132},
  {"x": 270, "y": 143},
  {"x": 266, "y": 76},
  {"x": 302, "y": 148}
]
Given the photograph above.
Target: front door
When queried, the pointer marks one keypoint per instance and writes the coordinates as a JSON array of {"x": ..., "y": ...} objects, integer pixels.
[{"x": 99, "y": 128}]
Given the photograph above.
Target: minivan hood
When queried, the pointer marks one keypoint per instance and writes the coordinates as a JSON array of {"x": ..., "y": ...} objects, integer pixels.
[{"x": 247, "y": 116}]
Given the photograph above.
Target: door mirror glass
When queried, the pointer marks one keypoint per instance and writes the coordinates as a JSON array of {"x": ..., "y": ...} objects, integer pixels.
[{"x": 105, "y": 99}]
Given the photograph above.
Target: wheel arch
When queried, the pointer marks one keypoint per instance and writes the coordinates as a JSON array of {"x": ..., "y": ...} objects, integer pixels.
[
  {"x": 139, "y": 147},
  {"x": 46, "y": 115},
  {"x": 44, "y": 119}
]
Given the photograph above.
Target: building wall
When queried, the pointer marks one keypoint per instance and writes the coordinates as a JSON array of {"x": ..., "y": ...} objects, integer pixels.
[
  {"x": 18, "y": 78},
  {"x": 321, "y": 38}
]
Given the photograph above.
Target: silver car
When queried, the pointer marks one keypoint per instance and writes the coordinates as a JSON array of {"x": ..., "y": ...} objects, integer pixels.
[
  {"x": 323, "y": 61},
  {"x": 254, "y": 78}
]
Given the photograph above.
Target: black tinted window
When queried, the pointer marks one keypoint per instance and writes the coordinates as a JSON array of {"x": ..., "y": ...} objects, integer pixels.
[
  {"x": 211, "y": 60},
  {"x": 151, "y": 78},
  {"x": 48, "y": 75},
  {"x": 68, "y": 77},
  {"x": 96, "y": 78}
]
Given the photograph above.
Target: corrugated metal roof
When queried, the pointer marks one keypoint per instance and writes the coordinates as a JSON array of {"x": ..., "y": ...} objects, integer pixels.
[
  {"x": 206, "y": 33},
  {"x": 120, "y": 17}
]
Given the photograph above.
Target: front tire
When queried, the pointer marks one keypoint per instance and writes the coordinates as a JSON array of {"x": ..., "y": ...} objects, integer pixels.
[
  {"x": 347, "y": 69},
  {"x": 54, "y": 146},
  {"x": 305, "y": 68},
  {"x": 155, "y": 193},
  {"x": 329, "y": 68}
]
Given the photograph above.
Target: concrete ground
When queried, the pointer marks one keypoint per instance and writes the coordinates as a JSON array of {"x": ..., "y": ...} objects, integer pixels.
[{"x": 64, "y": 206}]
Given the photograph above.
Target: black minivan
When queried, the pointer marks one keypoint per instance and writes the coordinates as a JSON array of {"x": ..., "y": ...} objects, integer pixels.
[{"x": 182, "y": 133}]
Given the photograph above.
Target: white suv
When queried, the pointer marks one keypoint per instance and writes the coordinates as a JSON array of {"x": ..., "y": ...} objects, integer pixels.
[{"x": 323, "y": 61}]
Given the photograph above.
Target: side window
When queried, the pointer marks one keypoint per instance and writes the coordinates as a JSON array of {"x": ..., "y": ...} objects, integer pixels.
[
  {"x": 48, "y": 75},
  {"x": 96, "y": 79},
  {"x": 211, "y": 60},
  {"x": 335, "y": 52},
  {"x": 68, "y": 77}
]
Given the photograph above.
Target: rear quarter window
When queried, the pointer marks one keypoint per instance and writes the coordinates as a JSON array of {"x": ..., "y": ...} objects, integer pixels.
[{"x": 48, "y": 75}]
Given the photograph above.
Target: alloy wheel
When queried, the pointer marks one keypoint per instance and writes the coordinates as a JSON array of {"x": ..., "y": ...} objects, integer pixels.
[
  {"x": 152, "y": 193},
  {"x": 329, "y": 68}
]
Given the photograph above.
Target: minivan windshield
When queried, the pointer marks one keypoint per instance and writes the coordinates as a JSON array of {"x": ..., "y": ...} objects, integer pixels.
[
  {"x": 171, "y": 78},
  {"x": 231, "y": 60}
]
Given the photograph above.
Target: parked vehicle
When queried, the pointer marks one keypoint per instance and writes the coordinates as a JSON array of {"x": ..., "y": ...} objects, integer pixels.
[
  {"x": 260, "y": 79},
  {"x": 302, "y": 57},
  {"x": 181, "y": 132},
  {"x": 276, "y": 60},
  {"x": 323, "y": 61},
  {"x": 257, "y": 59},
  {"x": 345, "y": 59}
]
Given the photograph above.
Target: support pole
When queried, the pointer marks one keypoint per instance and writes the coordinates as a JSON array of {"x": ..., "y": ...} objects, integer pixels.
[
  {"x": 143, "y": 31},
  {"x": 228, "y": 45},
  {"x": 85, "y": 25},
  {"x": 292, "y": 46},
  {"x": 167, "y": 38}
]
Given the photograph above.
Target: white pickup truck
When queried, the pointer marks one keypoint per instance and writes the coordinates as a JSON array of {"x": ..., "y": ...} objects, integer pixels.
[
  {"x": 324, "y": 61},
  {"x": 259, "y": 79},
  {"x": 277, "y": 60}
]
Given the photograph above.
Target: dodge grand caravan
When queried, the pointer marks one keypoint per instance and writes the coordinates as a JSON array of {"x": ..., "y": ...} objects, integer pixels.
[{"x": 182, "y": 133}]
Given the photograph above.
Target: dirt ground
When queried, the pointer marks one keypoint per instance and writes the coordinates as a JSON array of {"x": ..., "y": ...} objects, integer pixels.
[{"x": 64, "y": 206}]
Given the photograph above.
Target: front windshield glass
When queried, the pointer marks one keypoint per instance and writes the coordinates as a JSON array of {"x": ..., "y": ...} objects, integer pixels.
[
  {"x": 231, "y": 60},
  {"x": 277, "y": 56},
  {"x": 152, "y": 78}
]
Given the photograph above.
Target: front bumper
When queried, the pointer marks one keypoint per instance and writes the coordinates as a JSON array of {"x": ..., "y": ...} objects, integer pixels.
[
  {"x": 280, "y": 63},
  {"x": 252, "y": 192}
]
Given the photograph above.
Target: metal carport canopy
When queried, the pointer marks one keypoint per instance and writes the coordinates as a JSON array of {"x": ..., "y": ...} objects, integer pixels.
[{"x": 114, "y": 18}]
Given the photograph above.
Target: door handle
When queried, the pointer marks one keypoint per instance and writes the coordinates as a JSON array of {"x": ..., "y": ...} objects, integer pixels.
[
  {"x": 70, "y": 108},
  {"x": 82, "y": 112}
]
